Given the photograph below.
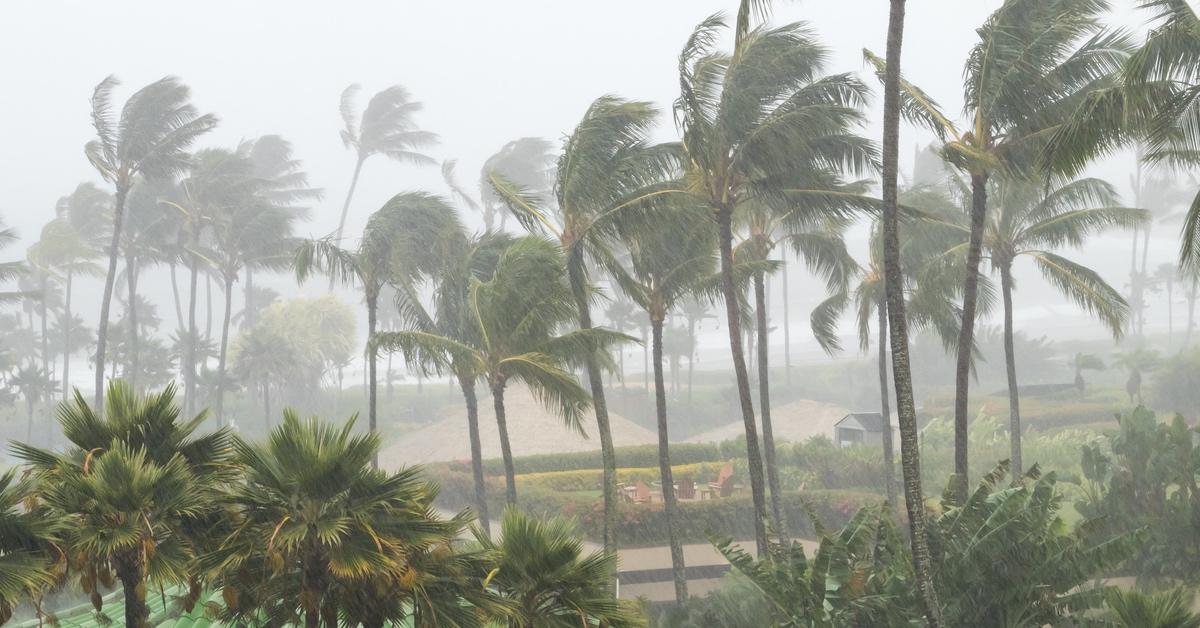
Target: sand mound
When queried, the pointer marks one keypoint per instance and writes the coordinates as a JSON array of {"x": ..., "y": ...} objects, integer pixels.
[
  {"x": 531, "y": 430},
  {"x": 796, "y": 422}
]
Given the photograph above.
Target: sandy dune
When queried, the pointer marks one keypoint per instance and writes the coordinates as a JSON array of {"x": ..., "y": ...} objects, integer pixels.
[
  {"x": 531, "y": 430},
  {"x": 797, "y": 421}
]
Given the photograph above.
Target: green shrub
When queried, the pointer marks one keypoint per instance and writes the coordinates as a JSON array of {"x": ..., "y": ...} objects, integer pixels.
[
  {"x": 633, "y": 456},
  {"x": 589, "y": 479}
]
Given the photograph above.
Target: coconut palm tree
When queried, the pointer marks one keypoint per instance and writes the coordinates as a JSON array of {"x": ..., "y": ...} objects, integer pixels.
[
  {"x": 149, "y": 139},
  {"x": 517, "y": 315},
  {"x": 27, "y": 556},
  {"x": 1165, "y": 276},
  {"x": 137, "y": 490},
  {"x": 540, "y": 568},
  {"x": 893, "y": 280},
  {"x": 35, "y": 385},
  {"x": 1138, "y": 361},
  {"x": 385, "y": 128},
  {"x": 312, "y": 518},
  {"x": 1031, "y": 221},
  {"x": 668, "y": 262},
  {"x": 403, "y": 238},
  {"x": 763, "y": 126},
  {"x": 607, "y": 171},
  {"x": 1035, "y": 64},
  {"x": 528, "y": 162},
  {"x": 10, "y": 271}
]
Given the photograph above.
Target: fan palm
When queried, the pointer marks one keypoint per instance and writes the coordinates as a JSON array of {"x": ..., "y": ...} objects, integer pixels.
[
  {"x": 385, "y": 128},
  {"x": 1166, "y": 609},
  {"x": 763, "y": 127},
  {"x": 313, "y": 518},
  {"x": 1031, "y": 221},
  {"x": 28, "y": 562},
  {"x": 403, "y": 238},
  {"x": 149, "y": 139},
  {"x": 667, "y": 263},
  {"x": 606, "y": 172},
  {"x": 136, "y": 490},
  {"x": 517, "y": 313},
  {"x": 539, "y": 567},
  {"x": 1035, "y": 64}
]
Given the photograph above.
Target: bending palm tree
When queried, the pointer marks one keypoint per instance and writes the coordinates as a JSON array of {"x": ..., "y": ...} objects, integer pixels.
[
  {"x": 668, "y": 262},
  {"x": 27, "y": 558},
  {"x": 517, "y": 313},
  {"x": 400, "y": 239},
  {"x": 149, "y": 139},
  {"x": 762, "y": 126},
  {"x": 606, "y": 172},
  {"x": 386, "y": 128},
  {"x": 1029, "y": 221},
  {"x": 1035, "y": 64}
]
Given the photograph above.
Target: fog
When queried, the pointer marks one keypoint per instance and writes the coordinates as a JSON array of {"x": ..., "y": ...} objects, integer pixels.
[{"x": 488, "y": 377}]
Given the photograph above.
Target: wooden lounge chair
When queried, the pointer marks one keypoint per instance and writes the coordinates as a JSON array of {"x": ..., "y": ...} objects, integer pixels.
[
  {"x": 686, "y": 489},
  {"x": 723, "y": 487}
]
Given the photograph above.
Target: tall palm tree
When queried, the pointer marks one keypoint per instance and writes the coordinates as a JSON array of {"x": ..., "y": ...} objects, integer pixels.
[
  {"x": 85, "y": 211},
  {"x": 540, "y": 568},
  {"x": 385, "y": 128},
  {"x": 819, "y": 244},
  {"x": 10, "y": 271},
  {"x": 1166, "y": 275},
  {"x": 528, "y": 162},
  {"x": 1035, "y": 64},
  {"x": 35, "y": 385},
  {"x": 906, "y": 413},
  {"x": 137, "y": 490},
  {"x": 517, "y": 313},
  {"x": 150, "y": 139},
  {"x": 312, "y": 517},
  {"x": 1032, "y": 221},
  {"x": 668, "y": 261},
  {"x": 403, "y": 238},
  {"x": 607, "y": 171},
  {"x": 763, "y": 126}
]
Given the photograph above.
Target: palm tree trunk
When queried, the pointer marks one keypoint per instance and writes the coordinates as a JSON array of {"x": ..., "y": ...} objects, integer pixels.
[
  {"x": 608, "y": 453},
  {"x": 388, "y": 377},
  {"x": 467, "y": 384},
  {"x": 224, "y": 347},
  {"x": 248, "y": 301},
  {"x": 372, "y": 355},
  {"x": 175, "y": 294},
  {"x": 208, "y": 317},
  {"x": 753, "y": 455},
  {"x": 1191, "y": 317},
  {"x": 267, "y": 404},
  {"x": 29, "y": 416},
  {"x": 966, "y": 335},
  {"x": 787, "y": 325},
  {"x": 106, "y": 299},
  {"x": 189, "y": 354},
  {"x": 664, "y": 464},
  {"x": 131, "y": 283},
  {"x": 906, "y": 410},
  {"x": 691, "y": 357},
  {"x": 66, "y": 340},
  {"x": 45, "y": 319},
  {"x": 510, "y": 474},
  {"x": 129, "y": 572},
  {"x": 1010, "y": 363},
  {"x": 764, "y": 402},
  {"x": 885, "y": 409},
  {"x": 1170, "y": 309},
  {"x": 337, "y": 236}
]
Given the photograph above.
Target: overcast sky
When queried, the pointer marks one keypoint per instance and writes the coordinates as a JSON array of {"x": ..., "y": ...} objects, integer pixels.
[{"x": 487, "y": 71}]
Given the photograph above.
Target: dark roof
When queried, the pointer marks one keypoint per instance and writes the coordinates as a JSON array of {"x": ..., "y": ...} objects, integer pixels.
[{"x": 871, "y": 421}]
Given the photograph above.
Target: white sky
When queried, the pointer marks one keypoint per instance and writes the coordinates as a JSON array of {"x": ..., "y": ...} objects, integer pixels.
[{"x": 488, "y": 71}]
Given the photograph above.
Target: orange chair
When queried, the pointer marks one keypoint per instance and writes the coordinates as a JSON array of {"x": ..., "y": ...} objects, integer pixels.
[{"x": 723, "y": 487}]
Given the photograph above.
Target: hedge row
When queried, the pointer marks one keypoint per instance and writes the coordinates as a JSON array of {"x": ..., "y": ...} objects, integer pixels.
[
  {"x": 589, "y": 479},
  {"x": 644, "y": 524},
  {"x": 635, "y": 456}
]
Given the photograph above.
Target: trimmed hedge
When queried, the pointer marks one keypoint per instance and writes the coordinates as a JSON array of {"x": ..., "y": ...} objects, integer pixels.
[
  {"x": 644, "y": 524},
  {"x": 636, "y": 456},
  {"x": 589, "y": 479}
]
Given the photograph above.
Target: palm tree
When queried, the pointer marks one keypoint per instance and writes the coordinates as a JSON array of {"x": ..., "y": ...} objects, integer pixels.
[
  {"x": 906, "y": 413},
  {"x": 84, "y": 211},
  {"x": 1166, "y": 275},
  {"x": 1137, "y": 361},
  {"x": 10, "y": 271},
  {"x": 35, "y": 385},
  {"x": 1165, "y": 609},
  {"x": 28, "y": 557},
  {"x": 762, "y": 126},
  {"x": 528, "y": 162},
  {"x": 314, "y": 517},
  {"x": 517, "y": 313},
  {"x": 150, "y": 139},
  {"x": 1035, "y": 64},
  {"x": 541, "y": 570},
  {"x": 606, "y": 172},
  {"x": 385, "y": 128},
  {"x": 669, "y": 261},
  {"x": 1085, "y": 362},
  {"x": 1032, "y": 221},
  {"x": 136, "y": 489},
  {"x": 403, "y": 238}
]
